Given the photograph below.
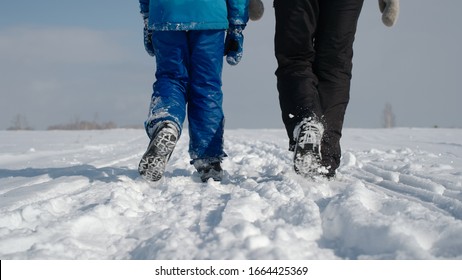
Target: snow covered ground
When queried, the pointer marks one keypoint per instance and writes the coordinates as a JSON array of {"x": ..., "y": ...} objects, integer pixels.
[{"x": 77, "y": 195}]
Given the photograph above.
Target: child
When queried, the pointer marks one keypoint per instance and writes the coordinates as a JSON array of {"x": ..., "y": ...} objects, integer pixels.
[{"x": 187, "y": 37}]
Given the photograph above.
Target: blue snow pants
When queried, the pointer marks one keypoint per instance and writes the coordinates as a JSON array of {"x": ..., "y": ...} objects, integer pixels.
[{"x": 188, "y": 76}]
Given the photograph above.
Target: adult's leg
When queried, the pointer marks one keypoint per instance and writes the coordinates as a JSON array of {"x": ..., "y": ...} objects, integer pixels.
[
  {"x": 296, "y": 22},
  {"x": 333, "y": 66}
]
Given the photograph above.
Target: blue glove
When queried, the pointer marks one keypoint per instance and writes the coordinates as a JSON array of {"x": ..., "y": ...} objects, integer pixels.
[
  {"x": 233, "y": 44},
  {"x": 148, "y": 38}
]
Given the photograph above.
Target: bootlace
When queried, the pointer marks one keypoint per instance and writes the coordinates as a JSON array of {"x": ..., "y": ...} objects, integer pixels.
[{"x": 309, "y": 132}]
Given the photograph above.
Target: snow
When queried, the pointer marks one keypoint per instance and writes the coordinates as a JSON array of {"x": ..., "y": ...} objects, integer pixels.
[{"x": 77, "y": 195}]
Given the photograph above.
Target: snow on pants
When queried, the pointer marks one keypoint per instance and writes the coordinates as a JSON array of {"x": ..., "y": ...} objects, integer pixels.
[
  {"x": 314, "y": 51},
  {"x": 189, "y": 67}
]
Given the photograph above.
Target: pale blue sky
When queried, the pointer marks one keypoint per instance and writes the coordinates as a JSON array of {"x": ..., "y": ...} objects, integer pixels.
[{"x": 63, "y": 60}]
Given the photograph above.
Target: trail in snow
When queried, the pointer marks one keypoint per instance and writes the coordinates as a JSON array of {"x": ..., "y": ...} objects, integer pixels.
[{"x": 77, "y": 195}]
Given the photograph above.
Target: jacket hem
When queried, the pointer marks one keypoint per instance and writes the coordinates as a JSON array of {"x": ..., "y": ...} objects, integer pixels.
[{"x": 188, "y": 26}]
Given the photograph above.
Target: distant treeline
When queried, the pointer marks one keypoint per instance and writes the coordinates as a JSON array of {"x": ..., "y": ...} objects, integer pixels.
[
  {"x": 83, "y": 125},
  {"x": 20, "y": 123}
]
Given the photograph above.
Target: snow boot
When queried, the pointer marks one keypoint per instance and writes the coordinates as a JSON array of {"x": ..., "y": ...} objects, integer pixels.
[
  {"x": 154, "y": 160},
  {"x": 307, "y": 154},
  {"x": 209, "y": 169}
]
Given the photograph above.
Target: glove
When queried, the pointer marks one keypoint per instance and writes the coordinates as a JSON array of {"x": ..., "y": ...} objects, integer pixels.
[
  {"x": 256, "y": 9},
  {"x": 390, "y": 11},
  {"x": 233, "y": 44},
  {"x": 148, "y": 38}
]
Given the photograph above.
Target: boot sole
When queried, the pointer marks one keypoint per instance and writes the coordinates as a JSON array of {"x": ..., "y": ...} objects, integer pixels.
[
  {"x": 306, "y": 161},
  {"x": 153, "y": 162}
]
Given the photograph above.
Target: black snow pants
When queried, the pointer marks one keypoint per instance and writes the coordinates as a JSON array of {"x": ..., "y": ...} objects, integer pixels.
[{"x": 314, "y": 51}]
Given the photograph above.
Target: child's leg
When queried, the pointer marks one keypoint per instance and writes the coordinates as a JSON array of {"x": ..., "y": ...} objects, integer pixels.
[
  {"x": 205, "y": 112},
  {"x": 168, "y": 102}
]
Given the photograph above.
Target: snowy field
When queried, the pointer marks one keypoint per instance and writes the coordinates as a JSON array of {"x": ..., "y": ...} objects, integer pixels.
[{"x": 77, "y": 195}]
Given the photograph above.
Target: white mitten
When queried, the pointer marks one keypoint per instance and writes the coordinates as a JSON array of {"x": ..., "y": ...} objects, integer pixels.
[
  {"x": 256, "y": 9},
  {"x": 390, "y": 11}
]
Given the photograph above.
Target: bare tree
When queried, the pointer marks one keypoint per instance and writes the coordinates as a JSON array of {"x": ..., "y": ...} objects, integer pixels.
[
  {"x": 388, "y": 116},
  {"x": 19, "y": 122}
]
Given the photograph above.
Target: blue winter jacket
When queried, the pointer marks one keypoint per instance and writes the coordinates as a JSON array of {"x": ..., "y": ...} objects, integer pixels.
[{"x": 170, "y": 15}]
